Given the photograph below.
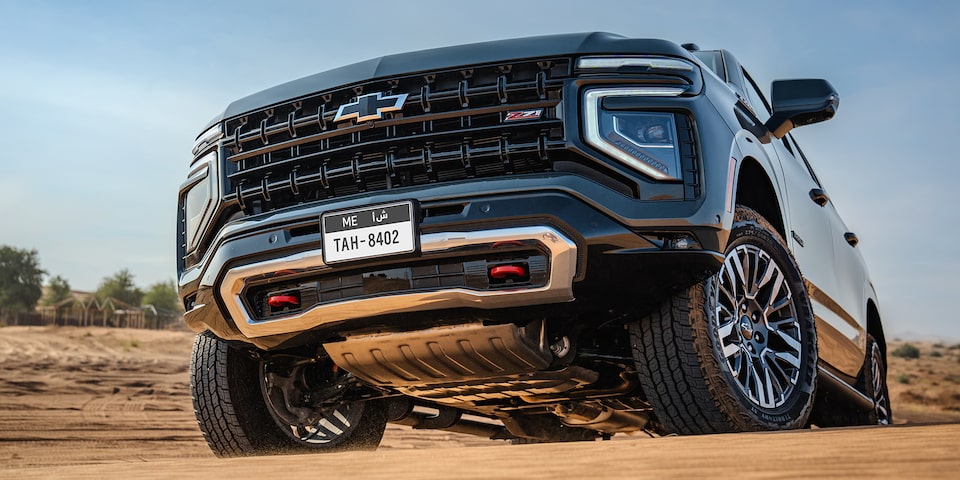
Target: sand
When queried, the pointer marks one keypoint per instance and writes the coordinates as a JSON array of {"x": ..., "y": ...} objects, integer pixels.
[{"x": 95, "y": 402}]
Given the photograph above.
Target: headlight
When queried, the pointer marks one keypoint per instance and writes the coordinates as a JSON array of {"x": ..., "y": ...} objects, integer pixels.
[
  {"x": 208, "y": 137},
  {"x": 645, "y": 141},
  {"x": 198, "y": 199}
]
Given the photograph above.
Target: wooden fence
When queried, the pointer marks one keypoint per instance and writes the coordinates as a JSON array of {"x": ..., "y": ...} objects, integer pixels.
[{"x": 83, "y": 311}]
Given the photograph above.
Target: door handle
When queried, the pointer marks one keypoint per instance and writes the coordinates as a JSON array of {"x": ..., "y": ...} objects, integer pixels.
[
  {"x": 819, "y": 197},
  {"x": 851, "y": 238}
]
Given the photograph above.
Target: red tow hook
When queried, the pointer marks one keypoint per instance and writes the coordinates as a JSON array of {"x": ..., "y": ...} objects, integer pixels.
[
  {"x": 501, "y": 272},
  {"x": 280, "y": 301}
]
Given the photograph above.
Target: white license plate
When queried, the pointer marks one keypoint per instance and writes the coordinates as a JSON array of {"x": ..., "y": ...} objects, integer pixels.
[{"x": 368, "y": 232}]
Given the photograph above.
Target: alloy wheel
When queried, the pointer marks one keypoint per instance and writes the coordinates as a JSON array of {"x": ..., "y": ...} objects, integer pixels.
[
  {"x": 881, "y": 401},
  {"x": 759, "y": 334},
  {"x": 299, "y": 400}
]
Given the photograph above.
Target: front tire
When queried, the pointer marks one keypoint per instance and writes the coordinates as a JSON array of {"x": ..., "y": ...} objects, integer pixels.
[
  {"x": 738, "y": 351},
  {"x": 236, "y": 399}
]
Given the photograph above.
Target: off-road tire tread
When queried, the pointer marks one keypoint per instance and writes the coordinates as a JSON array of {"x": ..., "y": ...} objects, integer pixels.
[
  {"x": 212, "y": 402},
  {"x": 672, "y": 376}
]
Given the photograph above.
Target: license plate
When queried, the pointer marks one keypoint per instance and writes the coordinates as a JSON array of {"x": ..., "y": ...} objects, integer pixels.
[{"x": 368, "y": 232}]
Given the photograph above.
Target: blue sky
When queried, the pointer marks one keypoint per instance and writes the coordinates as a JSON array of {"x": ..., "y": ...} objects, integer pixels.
[{"x": 100, "y": 102}]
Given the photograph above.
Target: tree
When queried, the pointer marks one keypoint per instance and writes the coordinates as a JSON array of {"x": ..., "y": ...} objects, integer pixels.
[
  {"x": 120, "y": 286},
  {"x": 163, "y": 296},
  {"x": 58, "y": 290},
  {"x": 20, "y": 280}
]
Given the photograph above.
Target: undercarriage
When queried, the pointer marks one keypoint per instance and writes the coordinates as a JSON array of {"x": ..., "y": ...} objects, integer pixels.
[{"x": 501, "y": 381}]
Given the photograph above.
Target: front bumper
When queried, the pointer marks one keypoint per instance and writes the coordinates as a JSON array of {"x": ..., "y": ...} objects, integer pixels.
[
  {"x": 601, "y": 249},
  {"x": 562, "y": 258}
]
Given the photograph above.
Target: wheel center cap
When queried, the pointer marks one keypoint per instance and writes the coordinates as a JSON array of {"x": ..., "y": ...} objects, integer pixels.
[{"x": 746, "y": 327}]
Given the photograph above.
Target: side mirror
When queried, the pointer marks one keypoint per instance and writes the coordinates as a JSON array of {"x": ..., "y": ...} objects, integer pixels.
[{"x": 801, "y": 102}]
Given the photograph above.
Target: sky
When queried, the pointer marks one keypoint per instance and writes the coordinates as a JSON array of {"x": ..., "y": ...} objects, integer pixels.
[{"x": 100, "y": 102}]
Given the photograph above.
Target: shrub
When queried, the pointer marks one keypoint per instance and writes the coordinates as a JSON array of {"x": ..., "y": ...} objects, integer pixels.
[
  {"x": 903, "y": 378},
  {"x": 128, "y": 344},
  {"x": 906, "y": 350},
  {"x": 936, "y": 353}
]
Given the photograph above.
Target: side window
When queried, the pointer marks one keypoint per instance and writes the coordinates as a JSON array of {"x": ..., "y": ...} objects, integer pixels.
[{"x": 759, "y": 103}]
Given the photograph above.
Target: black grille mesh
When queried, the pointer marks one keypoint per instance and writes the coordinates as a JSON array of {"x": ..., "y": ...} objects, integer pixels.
[{"x": 451, "y": 128}]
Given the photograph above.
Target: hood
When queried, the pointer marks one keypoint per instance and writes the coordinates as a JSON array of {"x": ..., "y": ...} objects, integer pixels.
[{"x": 453, "y": 57}]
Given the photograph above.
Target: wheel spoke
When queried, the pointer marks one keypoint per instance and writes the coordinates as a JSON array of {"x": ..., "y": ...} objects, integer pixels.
[
  {"x": 739, "y": 268},
  {"x": 783, "y": 373},
  {"x": 769, "y": 384},
  {"x": 776, "y": 306},
  {"x": 726, "y": 329},
  {"x": 736, "y": 368},
  {"x": 343, "y": 420},
  {"x": 727, "y": 275},
  {"x": 724, "y": 313},
  {"x": 791, "y": 342},
  {"x": 779, "y": 324},
  {"x": 786, "y": 357},
  {"x": 757, "y": 383},
  {"x": 768, "y": 273},
  {"x": 781, "y": 381},
  {"x": 730, "y": 349},
  {"x": 308, "y": 433},
  {"x": 746, "y": 378},
  {"x": 326, "y": 429},
  {"x": 775, "y": 293},
  {"x": 882, "y": 404},
  {"x": 731, "y": 297},
  {"x": 329, "y": 426},
  {"x": 749, "y": 275}
]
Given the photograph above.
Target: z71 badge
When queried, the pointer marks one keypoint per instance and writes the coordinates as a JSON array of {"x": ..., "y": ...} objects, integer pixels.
[{"x": 518, "y": 115}]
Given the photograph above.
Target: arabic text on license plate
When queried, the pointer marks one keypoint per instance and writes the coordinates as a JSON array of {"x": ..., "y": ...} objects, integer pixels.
[{"x": 368, "y": 232}]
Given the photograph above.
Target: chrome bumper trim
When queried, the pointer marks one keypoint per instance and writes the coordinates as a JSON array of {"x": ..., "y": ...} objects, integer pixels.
[{"x": 559, "y": 287}]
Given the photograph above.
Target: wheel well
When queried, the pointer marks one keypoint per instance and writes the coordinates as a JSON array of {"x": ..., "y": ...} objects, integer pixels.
[
  {"x": 875, "y": 328},
  {"x": 754, "y": 190}
]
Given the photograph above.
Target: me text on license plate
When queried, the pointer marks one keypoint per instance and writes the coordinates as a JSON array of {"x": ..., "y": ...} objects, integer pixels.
[{"x": 368, "y": 232}]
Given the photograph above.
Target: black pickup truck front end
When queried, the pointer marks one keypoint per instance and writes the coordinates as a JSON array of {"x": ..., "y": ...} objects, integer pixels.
[{"x": 541, "y": 178}]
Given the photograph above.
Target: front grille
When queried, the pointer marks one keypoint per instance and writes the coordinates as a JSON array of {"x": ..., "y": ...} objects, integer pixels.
[{"x": 452, "y": 127}]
